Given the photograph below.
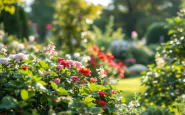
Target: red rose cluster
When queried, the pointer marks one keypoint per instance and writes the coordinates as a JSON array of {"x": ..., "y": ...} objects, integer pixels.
[{"x": 107, "y": 58}]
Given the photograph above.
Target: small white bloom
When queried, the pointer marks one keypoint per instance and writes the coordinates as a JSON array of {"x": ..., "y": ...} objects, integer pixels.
[
  {"x": 183, "y": 96},
  {"x": 31, "y": 38},
  {"x": 41, "y": 87},
  {"x": 68, "y": 56},
  {"x": 76, "y": 55},
  {"x": 4, "y": 61}
]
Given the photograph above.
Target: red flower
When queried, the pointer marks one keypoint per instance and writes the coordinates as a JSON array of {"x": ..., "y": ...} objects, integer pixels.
[
  {"x": 85, "y": 71},
  {"x": 63, "y": 62},
  {"x": 102, "y": 56},
  {"x": 109, "y": 56},
  {"x": 93, "y": 80},
  {"x": 84, "y": 81},
  {"x": 24, "y": 67},
  {"x": 60, "y": 59},
  {"x": 102, "y": 103},
  {"x": 92, "y": 61},
  {"x": 95, "y": 48},
  {"x": 102, "y": 93}
]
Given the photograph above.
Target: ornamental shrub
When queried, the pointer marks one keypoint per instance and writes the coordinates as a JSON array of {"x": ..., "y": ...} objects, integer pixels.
[
  {"x": 43, "y": 83},
  {"x": 164, "y": 81},
  {"x": 157, "y": 32}
]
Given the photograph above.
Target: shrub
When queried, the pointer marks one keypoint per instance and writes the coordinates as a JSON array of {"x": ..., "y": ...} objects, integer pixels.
[
  {"x": 165, "y": 81},
  {"x": 42, "y": 83},
  {"x": 156, "y": 32},
  {"x": 137, "y": 68}
]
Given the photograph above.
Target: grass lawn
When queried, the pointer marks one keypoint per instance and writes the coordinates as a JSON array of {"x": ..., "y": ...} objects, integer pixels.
[{"x": 130, "y": 86}]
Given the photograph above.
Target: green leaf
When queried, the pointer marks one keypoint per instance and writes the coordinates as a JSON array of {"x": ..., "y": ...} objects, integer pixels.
[
  {"x": 89, "y": 99},
  {"x": 8, "y": 103},
  {"x": 24, "y": 94},
  {"x": 43, "y": 64},
  {"x": 95, "y": 110},
  {"x": 171, "y": 32},
  {"x": 63, "y": 91},
  {"x": 54, "y": 85},
  {"x": 93, "y": 87}
]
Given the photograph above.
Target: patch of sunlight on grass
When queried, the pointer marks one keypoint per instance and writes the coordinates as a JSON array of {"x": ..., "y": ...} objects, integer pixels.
[{"x": 130, "y": 86}]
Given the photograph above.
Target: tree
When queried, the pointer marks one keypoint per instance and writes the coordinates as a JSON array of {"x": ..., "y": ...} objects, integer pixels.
[
  {"x": 8, "y": 5},
  {"x": 42, "y": 13},
  {"x": 15, "y": 24},
  {"x": 136, "y": 13},
  {"x": 72, "y": 19}
]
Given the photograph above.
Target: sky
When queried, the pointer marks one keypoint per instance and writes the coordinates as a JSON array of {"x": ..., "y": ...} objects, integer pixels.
[{"x": 102, "y": 2}]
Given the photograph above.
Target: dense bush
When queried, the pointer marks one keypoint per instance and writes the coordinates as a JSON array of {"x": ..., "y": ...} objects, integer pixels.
[
  {"x": 157, "y": 32},
  {"x": 16, "y": 24},
  {"x": 165, "y": 81},
  {"x": 125, "y": 50}
]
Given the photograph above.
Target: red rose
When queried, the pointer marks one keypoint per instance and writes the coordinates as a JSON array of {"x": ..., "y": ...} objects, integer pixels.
[
  {"x": 102, "y": 93},
  {"x": 102, "y": 103},
  {"x": 93, "y": 80},
  {"x": 84, "y": 81},
  {"x": 102, "y": 56},
  {"x": 95, "y": 48},
  {"x": 85, "y": 71},
  {"x": 109, "y": 56},
  {"x": 24, "y": 67}
]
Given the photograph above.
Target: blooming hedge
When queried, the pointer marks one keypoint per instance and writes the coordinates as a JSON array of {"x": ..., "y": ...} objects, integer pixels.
[{"x": 42, "y": 83}]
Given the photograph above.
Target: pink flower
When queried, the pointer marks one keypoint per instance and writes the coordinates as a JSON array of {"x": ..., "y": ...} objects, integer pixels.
[
  {"x": 57, "y": 80},
  {"x": 134, "y": 34},
  {"x": 78, "y": 64},
  {"x": 114, "y": 92},
  {"x": 60, "y": 67},
  {"x": 75, "y": 78},
  {"x": 49, "y": 26},
  {"x": 71, "y": 63}
]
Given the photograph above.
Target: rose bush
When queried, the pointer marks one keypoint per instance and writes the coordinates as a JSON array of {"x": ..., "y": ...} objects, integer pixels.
[{"x": 43, "y": 83}]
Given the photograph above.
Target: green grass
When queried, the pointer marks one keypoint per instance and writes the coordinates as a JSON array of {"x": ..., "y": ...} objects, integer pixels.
[{"x": 130, "y": 86}]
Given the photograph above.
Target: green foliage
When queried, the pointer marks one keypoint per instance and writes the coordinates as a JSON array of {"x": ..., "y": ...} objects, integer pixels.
[
  {"x": 103, "y": 39},
  {"x": 137, "y": 68},
  {"x": 155, "y": 31},
  {"x": 8, "y": 5},
  {"x": 165, "y": 81},
  {"x": 136, "y": 16},
  {"x": 39, "y": 83},
  {"x": 179, "y": 104},
  {"x": 15, "y": 24},
  {"x": 72, "y": 19},
  {"x": 142, "y": 54},
  {"x": 42, "y": 13},
  {"x": 156, "y": 110}
]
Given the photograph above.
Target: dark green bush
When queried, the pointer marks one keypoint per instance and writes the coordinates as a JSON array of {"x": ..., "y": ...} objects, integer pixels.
[
  {"x": 15, "y": 24},
  {"x": 156, "y": 32},
  {"x": 164, "y": 81}
]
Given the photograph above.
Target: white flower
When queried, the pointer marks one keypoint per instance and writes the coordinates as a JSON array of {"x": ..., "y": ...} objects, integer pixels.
[
  {"x": 11, "y": 57},
  {"x": 41, "y": 87},
  {"x": 3, "y": 51},
  {"x": 76, "y": 55},
  {"x": 21, "y": 46},
  {"x": 20, "y": 56},
  {"x": 183, "y": 96},
  {"x": 4, "y": 61},
  {"x": 31, "y": 38},
  {"x": 68, "y": 56},
  {"x": 85, "y": 59},
  {"x": 101, "y": 72}
]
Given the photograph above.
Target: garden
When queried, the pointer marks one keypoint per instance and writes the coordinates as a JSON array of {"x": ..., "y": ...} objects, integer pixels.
[{"x": 78, "y": 57}]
